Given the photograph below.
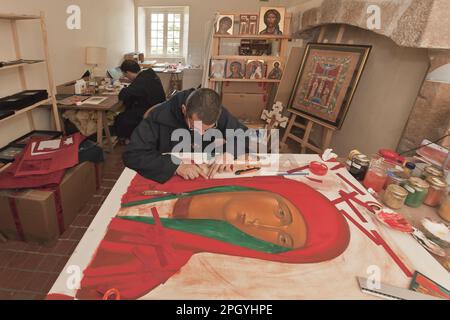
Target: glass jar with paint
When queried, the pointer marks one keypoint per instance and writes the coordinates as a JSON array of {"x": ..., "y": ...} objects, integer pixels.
[
  {"x": 437, "y": 191},
  {"x": 417, "y": 191},
  {"x": 377, "y": 174},
  {"x": 358, "y": 166},
  {"x": 410, "y": 167},
  {"x": 395, "y": 196},
  {"x": 444, "y": 210},
  {"x": 431, "y": 171},
  {"x": 397, "y": 177}
]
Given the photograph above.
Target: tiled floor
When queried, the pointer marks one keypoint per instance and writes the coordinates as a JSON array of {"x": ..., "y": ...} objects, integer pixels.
[{"x": 28, "y": 271}]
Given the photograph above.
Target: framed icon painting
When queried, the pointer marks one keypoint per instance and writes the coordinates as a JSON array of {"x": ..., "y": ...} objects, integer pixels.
[{"x": 327, "y": 81}]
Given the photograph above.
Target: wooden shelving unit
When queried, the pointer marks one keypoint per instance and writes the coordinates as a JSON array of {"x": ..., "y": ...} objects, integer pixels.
[
  {"x": 19, "y": 65},
  {"x": 271, "y": 85},
  {"x": 13, "y": 18}
]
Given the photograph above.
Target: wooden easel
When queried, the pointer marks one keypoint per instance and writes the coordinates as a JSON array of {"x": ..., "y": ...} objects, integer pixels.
[
  {"x": 328, "y": 130},
  {"x": 305, "y": 141}
]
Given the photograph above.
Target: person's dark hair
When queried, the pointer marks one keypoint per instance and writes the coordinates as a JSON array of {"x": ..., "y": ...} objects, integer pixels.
[
  {"x": 130, "y": 66},
  {"x": 206, "y": 104},
  {"x": 237, "y": 64},
  {"x": 274, "y": 12},
  {"x": 226, "y": 20}
]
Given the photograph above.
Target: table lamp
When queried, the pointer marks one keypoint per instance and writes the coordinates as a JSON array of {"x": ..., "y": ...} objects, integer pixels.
[{"x": 95, "y": 56}]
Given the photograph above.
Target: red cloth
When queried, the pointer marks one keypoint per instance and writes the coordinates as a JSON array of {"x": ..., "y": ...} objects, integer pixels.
[
  {"x": 9, "y": 181},
  {"x": 45, "y": 161},
  {"x": 136, "y": 257}
]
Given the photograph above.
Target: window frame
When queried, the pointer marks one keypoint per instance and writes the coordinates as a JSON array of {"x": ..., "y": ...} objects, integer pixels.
[{"x": 148, "y": 31}]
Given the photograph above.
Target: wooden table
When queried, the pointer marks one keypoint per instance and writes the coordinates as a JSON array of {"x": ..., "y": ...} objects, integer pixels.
[
  {"x": 112, "y": 103},
  {"x": 212, "y": 276}
]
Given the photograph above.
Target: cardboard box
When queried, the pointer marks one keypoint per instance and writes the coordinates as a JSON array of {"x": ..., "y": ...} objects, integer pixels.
[
  {"x": 42, "y": 215},
  {"x": 246, "y": 107},
  {"x": 245, "y": 87}
]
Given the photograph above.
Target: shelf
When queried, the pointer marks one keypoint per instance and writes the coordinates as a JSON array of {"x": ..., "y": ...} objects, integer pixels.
[
  {"x": 265, "y": 58},
  {"x": 251, "y": 36},
  {"x": 20, "y": 65},
  {"x": 245, "y": 80},
  {"x": 12, "y": 16},
  {"x": 27, "y": 109}
]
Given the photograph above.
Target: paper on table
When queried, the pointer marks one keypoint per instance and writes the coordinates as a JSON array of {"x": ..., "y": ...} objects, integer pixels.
[{"x": 49, "y": 144}]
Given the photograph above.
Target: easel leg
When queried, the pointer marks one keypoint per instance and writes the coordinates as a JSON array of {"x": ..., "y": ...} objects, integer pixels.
[
  {"x": 309, "y": 127},
  {"x": 326, "y": 139},
  {"x": 289, "y": 128}
]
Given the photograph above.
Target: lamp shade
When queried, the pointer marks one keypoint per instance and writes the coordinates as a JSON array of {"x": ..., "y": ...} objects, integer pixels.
[
  {"x": 95, "y": 55},
  {"x": 441, "y": 74}
]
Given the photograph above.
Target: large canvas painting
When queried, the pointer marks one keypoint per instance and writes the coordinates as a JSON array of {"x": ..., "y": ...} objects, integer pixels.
[{"x": 327, "y": 81}]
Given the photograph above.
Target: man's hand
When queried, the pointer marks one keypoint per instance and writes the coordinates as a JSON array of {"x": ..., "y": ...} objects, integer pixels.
[
  {"x": 221, "y": 164},
  {"x": 190, "y": 172}
]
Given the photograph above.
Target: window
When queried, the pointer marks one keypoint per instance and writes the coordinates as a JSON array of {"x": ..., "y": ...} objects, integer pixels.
[{"x": 165, "y": 32}]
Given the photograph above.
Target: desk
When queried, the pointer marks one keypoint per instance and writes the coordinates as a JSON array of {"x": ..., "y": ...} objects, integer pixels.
[
  {"x": 111, "y": 104},
  {"x": 213, "y": 276}
]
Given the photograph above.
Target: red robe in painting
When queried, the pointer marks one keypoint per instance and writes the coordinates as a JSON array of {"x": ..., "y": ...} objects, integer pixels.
[{"x": 135, "y": 257}]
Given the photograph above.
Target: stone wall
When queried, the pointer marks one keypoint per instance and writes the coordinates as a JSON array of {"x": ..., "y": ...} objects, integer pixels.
[
  {"x": 409, "y": 23},
  {"x": 431, "y": 114}
]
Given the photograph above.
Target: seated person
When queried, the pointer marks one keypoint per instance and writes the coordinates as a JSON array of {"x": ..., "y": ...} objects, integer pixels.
[
  {"x": 145, "y": 91},
  {"x": 151, "y": 141}
]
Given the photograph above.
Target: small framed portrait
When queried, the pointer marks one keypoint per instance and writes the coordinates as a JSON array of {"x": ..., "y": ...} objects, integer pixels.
[
  {"x": 235, "y": 69},
  {"x": 256, "y": 69},
  {"x": 248, "y": 24},
  {"x": 275, "y": 70},
  {"x": 271, "y": 21},
  {"x": 225, "y": 25},
  {"x": 217, "y": 68}
]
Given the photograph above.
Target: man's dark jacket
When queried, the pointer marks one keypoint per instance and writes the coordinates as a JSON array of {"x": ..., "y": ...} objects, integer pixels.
[
  {"x": 152, "y": 138},
  {"x": 144, "y": 92}
]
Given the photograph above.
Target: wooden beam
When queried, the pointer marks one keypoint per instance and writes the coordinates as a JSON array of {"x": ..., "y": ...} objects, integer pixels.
[
  {"x": 18, "y": 52},
  {"x": 51, "y": 82}
]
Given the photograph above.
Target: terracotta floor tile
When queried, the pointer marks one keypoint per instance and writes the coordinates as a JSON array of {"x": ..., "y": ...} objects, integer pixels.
[
  {"x": 64, "y": 247},
  {"x": 7, "y": 277},
  {"x": 17, "y": 260},
  {"x": 94, "y": 210},
  {"x": 22, "y": 280},
  {"x": 49, "y": 263},
  {"x": 39, "y": 283},
  {"x": 33, "y": 261},
  {"x": 78, "y": 233},
  {"x": 82, "y": 221},
  {"x": 32, "y": 247},
  {"x": 6, "y": 257}
]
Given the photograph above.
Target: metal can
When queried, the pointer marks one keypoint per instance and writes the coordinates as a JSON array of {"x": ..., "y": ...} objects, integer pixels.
[
  {"x": 358, "y": 166},
  {"x": 395, "y": 196},
  {"x": 417, "y": 191},
  {"x": 438, "y": 189},
  {"x": 432, "y": 172}
]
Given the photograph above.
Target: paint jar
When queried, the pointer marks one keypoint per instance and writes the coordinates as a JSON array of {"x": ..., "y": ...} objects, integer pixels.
[
  {"x": 409, "y": 167},
  {"x": 418, "y": 171},
  {"x": 431, "y": 171},
  {"x": 377, "y": 174},
  {"x": 397, "y": 177},
  {"x": 417, "y": 191},
  {"x": 359, "y": 166},
  {"x": 437, "y": 191},
  {"x": 444, "y": 210},
  {"x": 395, "y": 196}
]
